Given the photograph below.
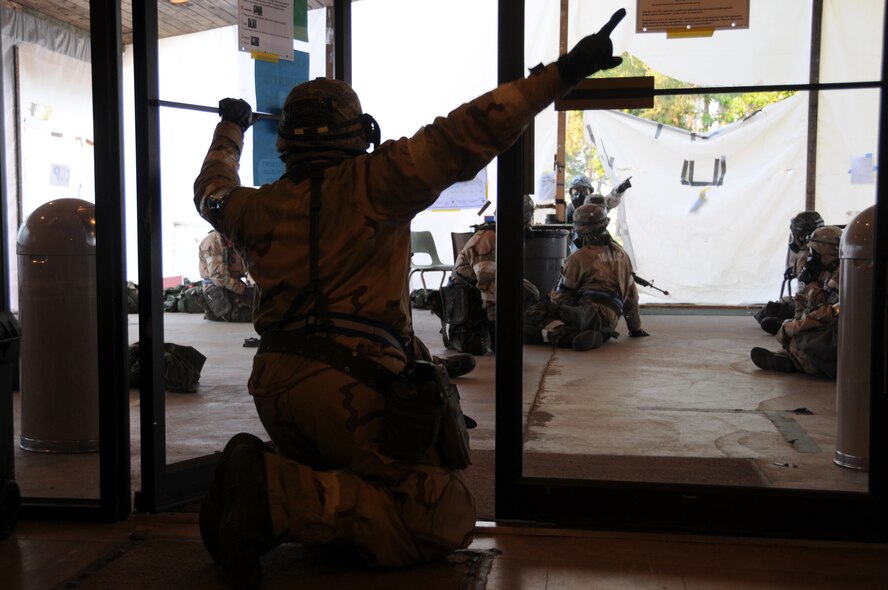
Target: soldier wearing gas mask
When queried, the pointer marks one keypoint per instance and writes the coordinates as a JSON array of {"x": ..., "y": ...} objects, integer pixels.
[
  {"x": 596, "y": 288},
  {"x": 810, "y": 339},
  {"x": 475, "y": 267},
  {"x": 366, "y": 456},
  {"x": 774, "y": 313},
  {"x": 582, "y": 193}
]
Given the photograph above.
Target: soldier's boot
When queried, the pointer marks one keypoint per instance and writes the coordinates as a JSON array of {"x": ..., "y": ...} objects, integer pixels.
[
  {"x": 771, "y": 325},
  {"x": 771, "y": 361},
  {"x": 213, "y": 504},
  {"x": 457, "y": 364},
  {"x": 245, "y": 532},
  {"x": 588, "y": 340}
]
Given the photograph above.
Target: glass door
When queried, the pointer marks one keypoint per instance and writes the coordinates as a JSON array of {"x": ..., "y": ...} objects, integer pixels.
[{"x": 683, "y": 429}]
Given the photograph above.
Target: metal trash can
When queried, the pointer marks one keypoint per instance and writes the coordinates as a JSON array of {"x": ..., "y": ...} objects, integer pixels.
[
  {"x": 544, "y": 251},
  {"x": 10, "y": 495},
  {"x": 57, "y": 310},
  {"x": 855, "y": 339}
]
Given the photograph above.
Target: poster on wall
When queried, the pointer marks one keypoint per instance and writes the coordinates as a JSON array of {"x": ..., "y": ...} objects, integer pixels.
[
  {"x": 273, "y": 83},
  {"x": 266, "y": 26},
  {"x": 658, "y": 16},
  {"x": 470, "y": 194}
]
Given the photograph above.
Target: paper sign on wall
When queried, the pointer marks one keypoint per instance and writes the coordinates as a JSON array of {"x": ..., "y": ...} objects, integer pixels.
[
  {"x": 657, "y": 16},
  {"x": 266, "y": 26}
]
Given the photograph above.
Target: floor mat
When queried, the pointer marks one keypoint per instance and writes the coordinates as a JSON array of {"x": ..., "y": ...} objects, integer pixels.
[{"x": 148, "y": 564}]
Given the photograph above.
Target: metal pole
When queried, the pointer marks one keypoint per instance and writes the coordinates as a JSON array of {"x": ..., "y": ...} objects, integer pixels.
[
  {"x": 562, "y": 125},
  {"x": 813, "y": 107}
]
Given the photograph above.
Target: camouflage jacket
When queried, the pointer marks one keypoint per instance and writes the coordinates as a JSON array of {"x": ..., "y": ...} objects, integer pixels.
[
  {"x": 221, "y": 263},
  {"x": 476, "y": 262},
  {"x": 368, "y": 203},
  {"x": 600, "y": 271}
]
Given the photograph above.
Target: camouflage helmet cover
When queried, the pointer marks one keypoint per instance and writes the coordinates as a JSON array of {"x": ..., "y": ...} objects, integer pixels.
[
  {"x": 580, "y": 181},
  {"x": 803, "y": 224},
  {"x": 528, "y": 210},
  {"x": 323, "y": 113},
  {"x": 596, "y": 199},
  {"x": 590, "y": 219},
  {"x": 825, "y": 241}
]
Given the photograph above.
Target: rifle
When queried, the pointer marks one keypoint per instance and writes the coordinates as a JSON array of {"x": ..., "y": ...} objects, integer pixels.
[{"x": 646, "y": 283}]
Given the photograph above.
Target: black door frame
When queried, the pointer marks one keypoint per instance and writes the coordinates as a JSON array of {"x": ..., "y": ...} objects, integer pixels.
[
  {"x": 114, "y": 501},
  {"x": 168, "y": 485},
  {"x": 648, "y": 506}
]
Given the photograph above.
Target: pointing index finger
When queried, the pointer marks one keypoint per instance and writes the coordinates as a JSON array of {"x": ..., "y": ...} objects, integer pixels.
[{"x": 610, "y": 25}]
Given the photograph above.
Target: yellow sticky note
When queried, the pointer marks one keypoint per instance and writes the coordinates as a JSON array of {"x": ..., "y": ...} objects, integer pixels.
[{"x": 261, "y": 56}]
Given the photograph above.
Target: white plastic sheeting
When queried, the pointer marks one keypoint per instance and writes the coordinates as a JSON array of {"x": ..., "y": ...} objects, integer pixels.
[
  {"x": 732, "y": 248},
  {"x": 717, "y": 239}
]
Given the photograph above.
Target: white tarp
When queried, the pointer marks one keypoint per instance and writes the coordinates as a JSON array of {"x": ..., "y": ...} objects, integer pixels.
[{"x": 719, "y": 235}]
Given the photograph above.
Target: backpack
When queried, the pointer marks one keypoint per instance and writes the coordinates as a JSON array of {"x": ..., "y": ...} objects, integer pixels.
[
  {"x": 182, "y": 367},
  {"x": 464, "y": 325}
]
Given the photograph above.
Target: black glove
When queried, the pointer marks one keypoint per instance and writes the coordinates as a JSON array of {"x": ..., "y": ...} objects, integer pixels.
[
  {"x": 639, "y": 333},
  {"x": 591, "y": 54},
  {"x": 237, "y": 111},
  {"x": 624, "y": 186},
  {"x": 789, "y": 273}
]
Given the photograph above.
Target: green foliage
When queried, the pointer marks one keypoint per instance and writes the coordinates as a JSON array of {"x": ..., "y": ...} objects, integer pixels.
[{"x": 697, "y": 113}]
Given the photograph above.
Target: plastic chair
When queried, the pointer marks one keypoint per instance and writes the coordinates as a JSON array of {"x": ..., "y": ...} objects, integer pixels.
[{"x": 422, "y": 242}]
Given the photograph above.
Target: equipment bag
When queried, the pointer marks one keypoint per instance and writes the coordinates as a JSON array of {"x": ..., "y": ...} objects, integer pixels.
[
  {"x": 464, "y": 321},
  {"x": 182, "y": 367}
]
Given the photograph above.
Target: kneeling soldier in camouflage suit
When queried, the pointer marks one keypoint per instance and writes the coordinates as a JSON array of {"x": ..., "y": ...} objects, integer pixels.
[
  {"x": 328, "y": 246},
  {"x": 226, "y": 297}
]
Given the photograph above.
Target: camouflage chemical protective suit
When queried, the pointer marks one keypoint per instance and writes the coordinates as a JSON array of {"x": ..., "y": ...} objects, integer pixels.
[
  {"x": 600, "y": 277},
  {"x": 477, "y": 262},
  {"x": 330, "y": 483},
  {"x": 810, "y": 340},
  {"x": 226, "y": 296}
]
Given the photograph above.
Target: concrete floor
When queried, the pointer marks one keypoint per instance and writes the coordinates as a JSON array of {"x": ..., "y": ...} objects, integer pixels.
[{"x": 689, "y": 390}]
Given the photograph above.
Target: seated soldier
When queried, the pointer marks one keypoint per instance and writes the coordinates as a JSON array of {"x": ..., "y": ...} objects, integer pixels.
[
  {"x": 810, "y": 340},
  {"x": 596, "y": 288},
  {"x": 475, "y": 266},
  {"x": 226, "y": 295},
  {"x": 774, "y": 313}
]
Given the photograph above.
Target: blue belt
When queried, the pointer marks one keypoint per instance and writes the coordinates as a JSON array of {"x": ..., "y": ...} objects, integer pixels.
[
  {"x": 612, "y": 301},
  {"x": 348, "y": 325}
]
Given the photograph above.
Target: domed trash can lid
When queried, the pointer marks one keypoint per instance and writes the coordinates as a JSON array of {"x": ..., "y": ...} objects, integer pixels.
[
  {"x": 64, "y": 227},
  {"x": 858, "y": 236}
]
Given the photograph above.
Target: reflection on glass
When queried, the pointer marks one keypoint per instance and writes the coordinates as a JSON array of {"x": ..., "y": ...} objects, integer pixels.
[
  {"x": 715, "y": 180},
  {"x": 53, "y": 284},
  {"x": 207, "y": 326}
]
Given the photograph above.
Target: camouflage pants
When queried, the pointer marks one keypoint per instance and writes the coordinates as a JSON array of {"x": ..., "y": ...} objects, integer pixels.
[
  {"x": 546, "y": 320},
  {"x": 222, "y": 305},
  {"x": 330, "y": 484},
  {"x": 811, "y": 342}
]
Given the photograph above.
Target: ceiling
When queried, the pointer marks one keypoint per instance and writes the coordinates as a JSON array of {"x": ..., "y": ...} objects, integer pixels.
[{"x": 172, "y": 19}]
